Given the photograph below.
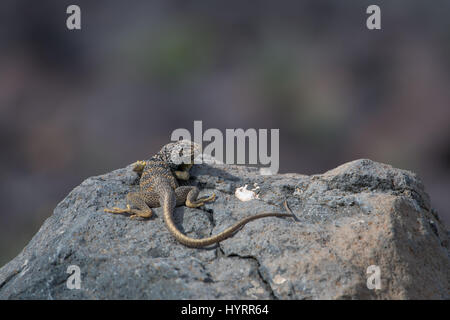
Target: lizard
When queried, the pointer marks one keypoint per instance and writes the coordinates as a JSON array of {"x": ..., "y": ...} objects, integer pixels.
[{"x": 158, "y": 186}]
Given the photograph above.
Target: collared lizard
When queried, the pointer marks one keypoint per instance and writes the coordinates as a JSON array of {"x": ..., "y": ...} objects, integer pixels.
[{"x": 159, "y": 187}]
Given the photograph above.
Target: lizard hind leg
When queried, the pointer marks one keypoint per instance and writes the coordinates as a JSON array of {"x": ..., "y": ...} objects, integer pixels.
[
  {"x": 136, "y": 205},
  {"x": 188, "y": 195}
]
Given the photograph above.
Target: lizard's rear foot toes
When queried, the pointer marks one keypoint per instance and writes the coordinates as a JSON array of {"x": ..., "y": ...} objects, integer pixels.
[
  {"x": 117, "y": 210},
  {"x": 200, "y": 202},
  {"x": 210, "y": 198},
  {"x": 137, "y": 216},
  {"x": 112, "y": 210}
]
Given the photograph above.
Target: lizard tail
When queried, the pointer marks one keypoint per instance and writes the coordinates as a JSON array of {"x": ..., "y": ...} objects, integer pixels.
[{"x": 169, "y": 206}]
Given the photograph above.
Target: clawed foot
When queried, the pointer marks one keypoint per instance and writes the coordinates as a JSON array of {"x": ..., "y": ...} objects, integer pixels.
[
  {"x": 141, "y": 214},
  {"x": 182, "y": 175},
  {"x": 134, "y": 212},
  {"x": 139, "y": 166},
  {"x": 200, "y": 202},
  {"x": 211, "y": 198},
  {"x": 118, "y": 210}
]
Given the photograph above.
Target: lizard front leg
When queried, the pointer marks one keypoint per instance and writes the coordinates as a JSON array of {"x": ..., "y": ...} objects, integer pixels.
[{"x": 183, "y": 173}]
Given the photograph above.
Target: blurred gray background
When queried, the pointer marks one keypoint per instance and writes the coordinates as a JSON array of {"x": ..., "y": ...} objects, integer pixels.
[{"x": 79, "y": 103}]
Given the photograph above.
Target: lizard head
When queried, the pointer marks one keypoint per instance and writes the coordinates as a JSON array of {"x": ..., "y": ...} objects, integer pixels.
[{"x": 179, "y": 154}]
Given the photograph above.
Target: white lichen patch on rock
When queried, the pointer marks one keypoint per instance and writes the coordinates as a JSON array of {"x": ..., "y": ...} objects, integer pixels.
[{"x": 279, "y": 279}]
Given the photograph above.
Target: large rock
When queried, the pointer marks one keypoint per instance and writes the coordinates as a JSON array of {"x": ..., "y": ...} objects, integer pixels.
[{"x": 360, "y": 214}]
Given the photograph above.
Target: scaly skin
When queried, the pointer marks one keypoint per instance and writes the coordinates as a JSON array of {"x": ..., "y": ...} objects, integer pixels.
[{"x": 159, "y": 186}]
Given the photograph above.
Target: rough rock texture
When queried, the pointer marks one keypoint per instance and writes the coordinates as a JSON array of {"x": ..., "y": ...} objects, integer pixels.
[{"x": 360, "y": 214}]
